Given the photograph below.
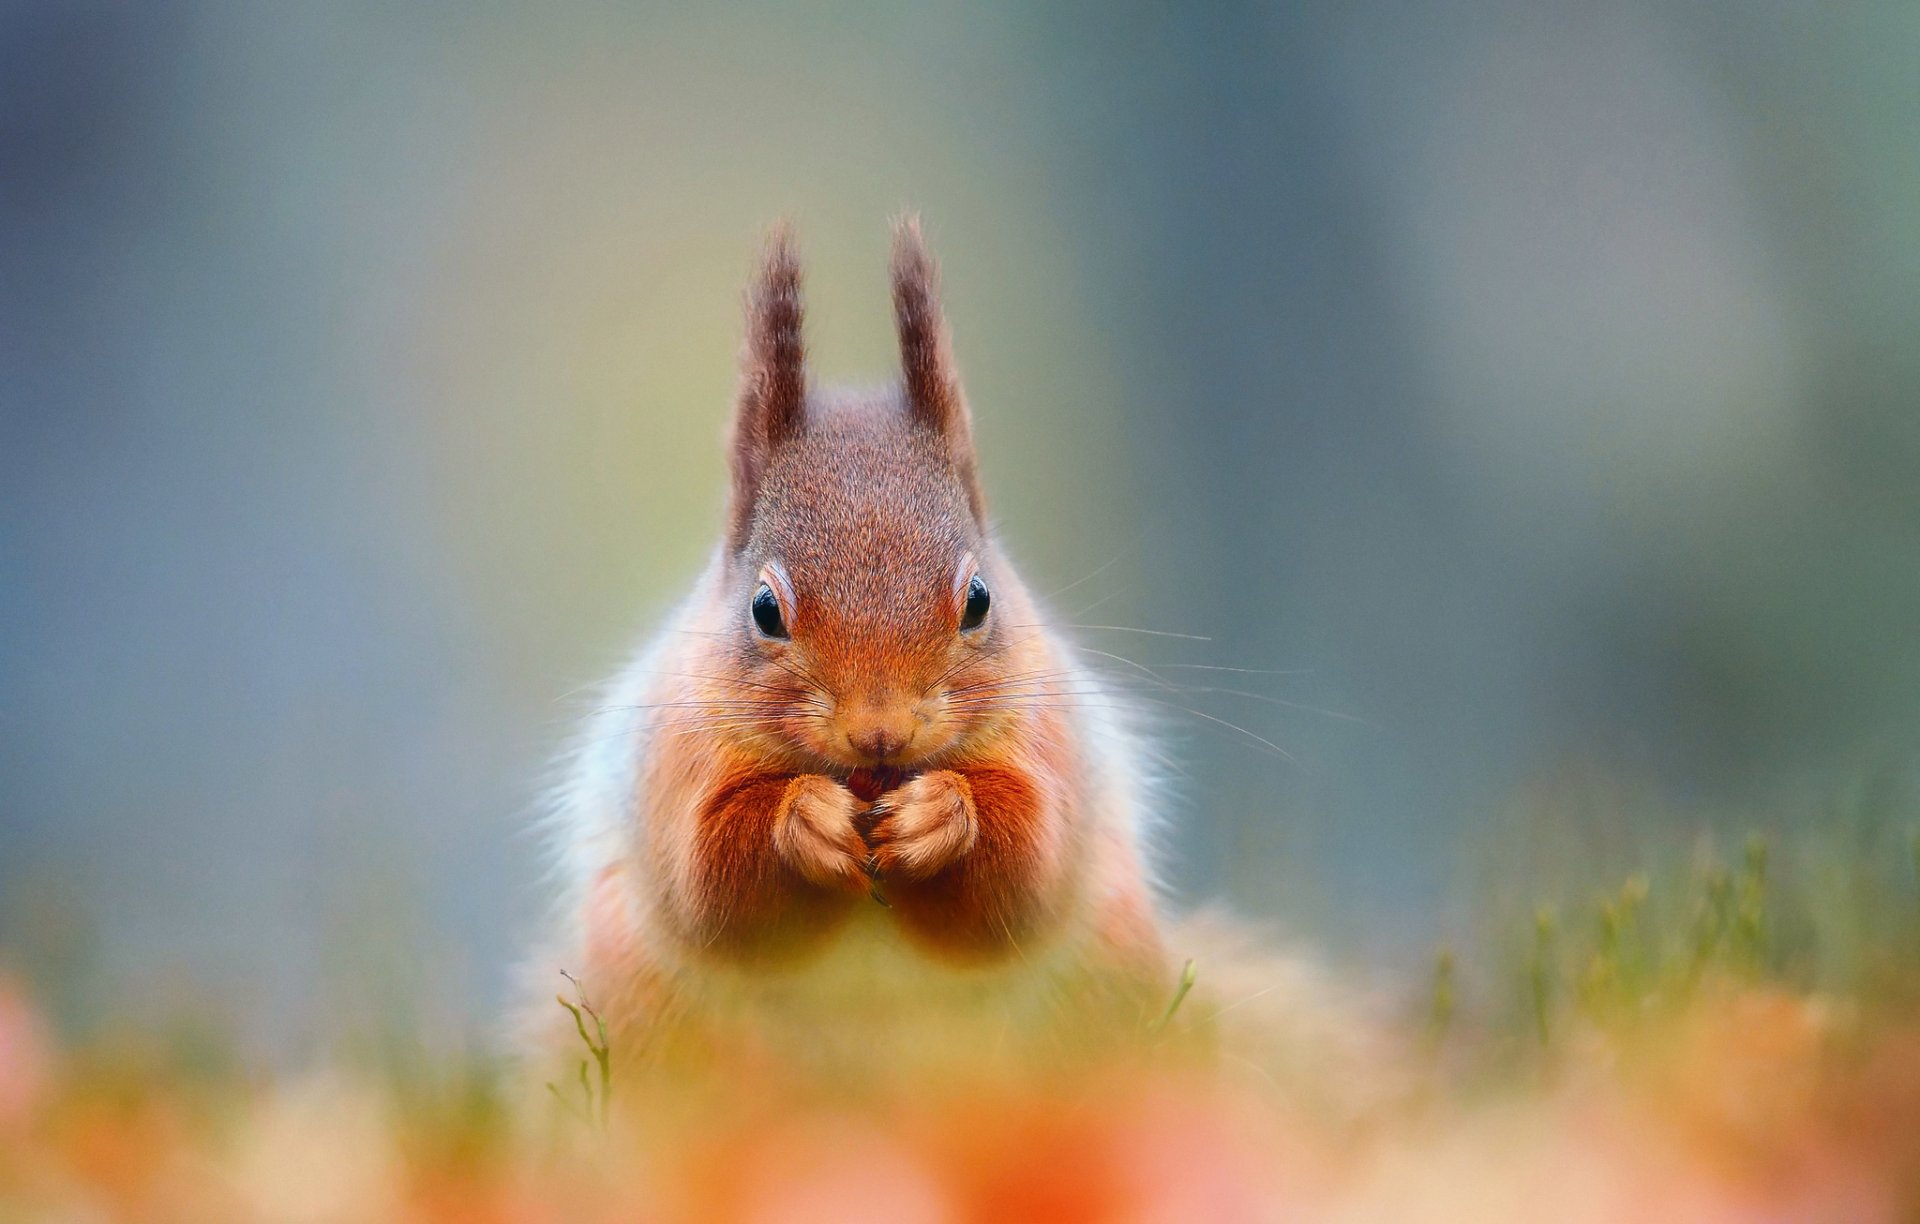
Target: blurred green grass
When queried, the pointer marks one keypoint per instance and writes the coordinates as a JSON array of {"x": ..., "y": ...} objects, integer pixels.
[{"x": 1734, "y": 999}]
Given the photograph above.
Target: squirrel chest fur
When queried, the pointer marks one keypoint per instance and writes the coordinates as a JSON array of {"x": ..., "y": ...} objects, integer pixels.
[{"x": 856, "y": 800}]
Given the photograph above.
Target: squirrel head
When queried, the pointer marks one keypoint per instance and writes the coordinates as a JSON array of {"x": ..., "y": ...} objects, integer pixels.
[{"x": 862, "y": 600}]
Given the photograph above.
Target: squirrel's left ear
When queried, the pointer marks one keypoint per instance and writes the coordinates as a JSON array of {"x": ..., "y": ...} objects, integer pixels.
[{"x": 929, "y": 381}]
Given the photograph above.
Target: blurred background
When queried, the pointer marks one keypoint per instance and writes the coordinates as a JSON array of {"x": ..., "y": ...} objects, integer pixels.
[{"x": 1535, "y": 386}]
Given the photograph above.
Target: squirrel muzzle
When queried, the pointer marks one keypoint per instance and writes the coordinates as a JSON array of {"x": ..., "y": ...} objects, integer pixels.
[{"x": 878, "y": 730}]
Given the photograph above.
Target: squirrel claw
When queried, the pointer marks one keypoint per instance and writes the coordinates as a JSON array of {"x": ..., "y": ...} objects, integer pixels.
[{"x": 873, "y": 884}]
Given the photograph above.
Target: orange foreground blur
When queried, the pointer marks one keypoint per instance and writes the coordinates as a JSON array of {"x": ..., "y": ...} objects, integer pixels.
[{"x": 1751, "y": 1104}]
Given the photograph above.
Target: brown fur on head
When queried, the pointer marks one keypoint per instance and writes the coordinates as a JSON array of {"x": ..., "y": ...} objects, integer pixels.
[{"x": 861, "y": 514}]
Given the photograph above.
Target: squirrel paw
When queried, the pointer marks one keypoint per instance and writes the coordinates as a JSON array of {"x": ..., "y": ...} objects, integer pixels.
[
  {"x": 924, "y": 826},
  {"x": 816, "y": 834}
]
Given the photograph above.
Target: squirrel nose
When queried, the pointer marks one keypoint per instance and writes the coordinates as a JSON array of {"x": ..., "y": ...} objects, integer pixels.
[{"x": 880, "y": 734}]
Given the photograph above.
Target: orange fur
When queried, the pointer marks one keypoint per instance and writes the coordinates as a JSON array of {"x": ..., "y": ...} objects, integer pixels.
[{"x": 885, "y": 812}]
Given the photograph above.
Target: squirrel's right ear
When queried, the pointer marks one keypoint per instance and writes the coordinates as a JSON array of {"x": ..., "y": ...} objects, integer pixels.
[
  {"x": 773, "y": 377},
  {"x": 929, "y": 381}
]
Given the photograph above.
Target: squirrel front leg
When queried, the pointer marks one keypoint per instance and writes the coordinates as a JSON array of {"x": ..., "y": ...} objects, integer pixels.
[
  {"x": 968, "y": 859},
  {"x": 775, "y": 862}
]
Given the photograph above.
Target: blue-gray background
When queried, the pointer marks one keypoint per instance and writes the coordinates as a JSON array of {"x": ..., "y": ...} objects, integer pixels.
[{"x": 1537, "y": 383}]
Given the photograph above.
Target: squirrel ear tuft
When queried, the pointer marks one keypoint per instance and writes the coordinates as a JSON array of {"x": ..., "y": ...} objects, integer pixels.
[
  {"x": 929, "y": 380},
  {"x": 773, "y": 376}
]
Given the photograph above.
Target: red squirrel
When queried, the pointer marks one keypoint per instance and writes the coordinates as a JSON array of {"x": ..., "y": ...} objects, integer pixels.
[{"x": 857, "y": 796}]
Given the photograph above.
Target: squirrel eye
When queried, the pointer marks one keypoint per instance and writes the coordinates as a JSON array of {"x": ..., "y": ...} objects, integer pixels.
[
  {"x": 766, "y": 613},
  {"x": 978, "y": 601}
]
